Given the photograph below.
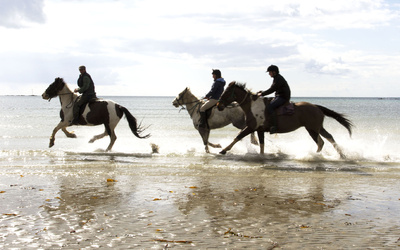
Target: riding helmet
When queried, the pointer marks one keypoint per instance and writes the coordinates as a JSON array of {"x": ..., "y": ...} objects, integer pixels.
[{"x": 273, "y": 68}]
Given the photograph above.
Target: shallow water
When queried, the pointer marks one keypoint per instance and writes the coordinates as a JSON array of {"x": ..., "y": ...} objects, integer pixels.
[{"x": 74, "y": 195}]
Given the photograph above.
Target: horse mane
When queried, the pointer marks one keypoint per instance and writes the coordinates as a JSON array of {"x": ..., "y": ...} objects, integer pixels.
[
  {"x": 188, "y": 90},
  {"x": 242, "y": 85},
  {"x": 60, "y": 80}
]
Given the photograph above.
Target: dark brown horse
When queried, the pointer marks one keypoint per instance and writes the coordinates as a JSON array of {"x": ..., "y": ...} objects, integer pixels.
[
  {"x": 95, "y": 113},
  {"x": 305, "y": 114}
]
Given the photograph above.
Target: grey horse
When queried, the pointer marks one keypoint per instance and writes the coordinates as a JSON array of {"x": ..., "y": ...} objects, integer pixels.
[{"x": 216, "y": 119}]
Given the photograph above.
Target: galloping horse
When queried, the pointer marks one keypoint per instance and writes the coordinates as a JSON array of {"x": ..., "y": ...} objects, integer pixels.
[
  {"x": 216, "y": 119},
  {"x": 96, "y": 112},
  {"x": 305, "y": 114}
]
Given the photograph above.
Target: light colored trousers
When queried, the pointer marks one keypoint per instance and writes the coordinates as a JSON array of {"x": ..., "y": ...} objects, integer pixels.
[{"x": 208, "y": 104}]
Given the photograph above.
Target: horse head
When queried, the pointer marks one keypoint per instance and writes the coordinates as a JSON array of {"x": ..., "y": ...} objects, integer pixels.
[
  {"x": 54, "y": 89},
  {"x": 232, "y": 93},
  {"x": 182, "y": 98}
]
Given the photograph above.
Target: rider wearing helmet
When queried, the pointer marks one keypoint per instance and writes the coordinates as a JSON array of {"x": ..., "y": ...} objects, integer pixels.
[
  {"x": 282, "y": 95},
  {"x": 212, "y": 96}
]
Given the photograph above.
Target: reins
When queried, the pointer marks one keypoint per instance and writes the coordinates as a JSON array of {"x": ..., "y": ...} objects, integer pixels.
[
  {"x": 70, "y": 104},
  {"x": 233, "y": 96},
  {"x": 244, "y": 99},
  {"x": 191, "y": 110}
]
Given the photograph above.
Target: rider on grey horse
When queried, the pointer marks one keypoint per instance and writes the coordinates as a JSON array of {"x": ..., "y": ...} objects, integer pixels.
[{"x": 212, "y": 96}]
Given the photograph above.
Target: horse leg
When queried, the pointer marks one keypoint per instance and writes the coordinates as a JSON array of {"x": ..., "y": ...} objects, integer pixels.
[
  {"x": 214, "y": 145},
  {"x": 246, "y": 131},
  {"x": 317, "y": 139},
  {"x": 205, "y": 133},
  {"x": 253, "y": 139},
  {"x": 260, "y": 134},
  {"x": 68, "y": 134},
  {"x": 113, "y": 138},
  {"x": 55, "y": 130},
  {"x": 329, "y": 137},
  {"x": 229, "y": 147},
  {"x": 240, "y": 125},
  {"x": 96, "y": 137}
]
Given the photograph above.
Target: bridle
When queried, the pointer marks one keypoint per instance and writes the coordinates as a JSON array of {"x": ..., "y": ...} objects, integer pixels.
[
  {"x": 233, "y": 96},
  {"x": 69, "y": 105},
  {"x": 191, "y": 110}
]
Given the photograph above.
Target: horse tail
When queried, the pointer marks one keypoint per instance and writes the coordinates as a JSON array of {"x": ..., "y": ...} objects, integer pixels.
[
  {"x": 338, "y": 117},
  {"x": 137, "y": 130}
]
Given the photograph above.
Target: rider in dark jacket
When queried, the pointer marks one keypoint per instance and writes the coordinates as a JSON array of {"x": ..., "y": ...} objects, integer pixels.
[
  {"x": 282, "y": 95},
  {"x": 86, "y": 88},
  {"x": 212, "y": 96}
]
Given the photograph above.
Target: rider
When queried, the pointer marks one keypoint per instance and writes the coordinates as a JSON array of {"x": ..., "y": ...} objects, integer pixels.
[
  {"x": 282, "y": 95},
  {"x": 212, "y": 96},
  {"x": 86, "y": 88}
]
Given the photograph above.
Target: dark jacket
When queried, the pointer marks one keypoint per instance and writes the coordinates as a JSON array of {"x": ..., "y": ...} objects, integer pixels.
[
  {"x": 216, "y": 89},
  {"x": 86, "y": 85},
  {"x": 280, "y": 87}
]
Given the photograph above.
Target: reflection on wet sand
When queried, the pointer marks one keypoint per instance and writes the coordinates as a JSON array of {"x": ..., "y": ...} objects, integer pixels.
[
  {"x": 196, "y": 207},
  {"x": 77, "y": 210}
]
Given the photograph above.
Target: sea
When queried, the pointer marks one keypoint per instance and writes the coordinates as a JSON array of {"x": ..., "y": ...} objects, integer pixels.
[
  {"x": 75, "y": 195},
  {"x": 26, "y": 123}
]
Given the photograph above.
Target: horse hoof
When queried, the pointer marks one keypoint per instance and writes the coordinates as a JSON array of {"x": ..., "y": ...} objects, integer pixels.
[
  {"x": 51, "y": 145},
  {"x": 218, "y": 146},
  {"x": 91, "y": 141},
  {"x": 223, "y": 152}
]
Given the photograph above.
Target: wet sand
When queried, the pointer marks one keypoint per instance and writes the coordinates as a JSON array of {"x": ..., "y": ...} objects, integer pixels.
[{"x": 123, "y": 206}]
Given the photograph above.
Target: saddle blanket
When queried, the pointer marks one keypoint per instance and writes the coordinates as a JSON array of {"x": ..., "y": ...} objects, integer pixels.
[{"x": 286, "y": 109}]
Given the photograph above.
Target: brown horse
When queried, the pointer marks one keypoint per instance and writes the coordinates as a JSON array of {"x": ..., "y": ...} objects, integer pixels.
[
  {"x": 96, "y": 112},
  {"x": 305, "y": 114}
]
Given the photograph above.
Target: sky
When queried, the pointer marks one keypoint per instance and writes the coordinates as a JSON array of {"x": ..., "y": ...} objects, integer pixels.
[{"x": 323, "y": 48}]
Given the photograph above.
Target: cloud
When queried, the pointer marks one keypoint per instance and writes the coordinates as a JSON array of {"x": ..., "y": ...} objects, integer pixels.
[
  {"x": 18, "y": 13},
  {"x": 177, "y": 41},
  {"x": 339, "y": 14},
  {"x": 334, "y": 67}
]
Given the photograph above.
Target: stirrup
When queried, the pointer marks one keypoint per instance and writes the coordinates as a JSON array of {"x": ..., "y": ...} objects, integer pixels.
[{"x": 273, "y": 130}]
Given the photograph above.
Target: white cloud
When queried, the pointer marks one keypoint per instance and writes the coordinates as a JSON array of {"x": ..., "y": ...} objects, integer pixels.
[
  {"x": 19, "y": 13},
  {"x": 168, "y": 45}
]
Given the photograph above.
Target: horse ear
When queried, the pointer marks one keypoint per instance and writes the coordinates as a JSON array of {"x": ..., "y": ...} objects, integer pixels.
[{"x": 232, "y": 83}]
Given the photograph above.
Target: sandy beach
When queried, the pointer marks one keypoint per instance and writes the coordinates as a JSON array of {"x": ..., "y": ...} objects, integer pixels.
[{"x": 124, "y": 206}]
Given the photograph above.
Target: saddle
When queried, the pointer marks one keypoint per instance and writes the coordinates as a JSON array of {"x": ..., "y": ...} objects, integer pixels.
[
  {"x": 82, "y": 108},
  {"x": 286, "y": 109},
  {"x": 210, "y": 110}
]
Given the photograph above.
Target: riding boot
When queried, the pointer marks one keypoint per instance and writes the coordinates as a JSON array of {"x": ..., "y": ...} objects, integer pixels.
[
  {"x": 267, "y": 120},
  {"x": 75, "y": 113},
  {"x": 203, "y": 120},
  {"x": 266, "y": 123},
  {"x": 274, "y": 128}
]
